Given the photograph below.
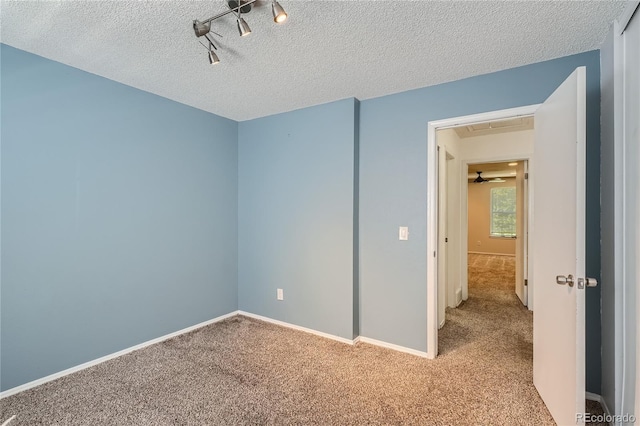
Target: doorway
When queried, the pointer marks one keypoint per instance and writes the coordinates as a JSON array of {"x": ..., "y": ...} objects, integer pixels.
[
  {"x": 558, "y": 214},
  {"x": 482, "y": 204},
  {"x": 454, "y": 250}
]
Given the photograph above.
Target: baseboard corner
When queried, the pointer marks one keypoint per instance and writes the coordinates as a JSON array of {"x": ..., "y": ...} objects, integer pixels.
[{"x": 297, "y": 327}]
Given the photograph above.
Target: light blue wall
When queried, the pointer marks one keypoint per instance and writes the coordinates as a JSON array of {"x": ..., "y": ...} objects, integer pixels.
[
  {"x": 119, "y": 217},
  {"x": 126, "y": 216},
  {"x": 296, "y": 216},
  {"x": 393, "y": 185}
]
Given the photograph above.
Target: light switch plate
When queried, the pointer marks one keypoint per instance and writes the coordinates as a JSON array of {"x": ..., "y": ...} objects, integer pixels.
[
  {"x": 280, "y": 294},
  {"x": 403, "y": 233}
]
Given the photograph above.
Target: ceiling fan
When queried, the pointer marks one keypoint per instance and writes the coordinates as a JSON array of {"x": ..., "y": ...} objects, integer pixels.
[{"x": 480, "y": 179}]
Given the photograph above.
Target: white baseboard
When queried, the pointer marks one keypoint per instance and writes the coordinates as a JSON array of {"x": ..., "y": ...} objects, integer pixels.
[
  {"x": 392, "y": 346},
  {"x": 598, "y": 398},
  {"x": 358, "y": 339},
  {"x": 491, "y": 254},
  {"x": 97, "y": 361},
  {"x": 297, "y": 327}
]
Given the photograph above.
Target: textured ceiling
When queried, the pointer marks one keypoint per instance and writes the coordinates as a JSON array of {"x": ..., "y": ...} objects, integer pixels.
[{"x": 327, "y": 50}]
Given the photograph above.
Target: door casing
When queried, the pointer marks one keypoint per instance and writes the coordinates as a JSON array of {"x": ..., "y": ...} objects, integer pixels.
[{"x": 432, "y": 207}]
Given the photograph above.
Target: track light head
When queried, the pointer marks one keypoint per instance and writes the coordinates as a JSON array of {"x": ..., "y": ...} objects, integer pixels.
[
  {"x": 243, "y": 27},
  {"x": 201, "y": 29},
  {"x": 279, "y": 15},
  {"x": 213, "y": 58}
]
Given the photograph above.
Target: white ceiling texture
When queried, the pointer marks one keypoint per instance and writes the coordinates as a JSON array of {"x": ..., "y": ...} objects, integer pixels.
[{"x": 325, "y": 51}]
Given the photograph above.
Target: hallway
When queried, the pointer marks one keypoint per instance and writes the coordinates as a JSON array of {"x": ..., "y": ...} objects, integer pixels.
[{"x": 492, "y": 317}]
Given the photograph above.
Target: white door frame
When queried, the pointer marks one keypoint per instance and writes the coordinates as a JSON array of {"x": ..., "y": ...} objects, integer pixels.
[
  {"x": 443, "y": 204},
  {"x": 432, "y": 206}
]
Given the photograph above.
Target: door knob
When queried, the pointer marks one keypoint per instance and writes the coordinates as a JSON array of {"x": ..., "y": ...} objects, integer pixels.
[{"x": 562, "y": 280}]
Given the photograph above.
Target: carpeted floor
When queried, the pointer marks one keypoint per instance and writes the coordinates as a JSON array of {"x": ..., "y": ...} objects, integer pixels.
[
  {"x": 244, "y": 371},
  {"x": 492, "y": 310},
  {"x": 494, "y": 319}
]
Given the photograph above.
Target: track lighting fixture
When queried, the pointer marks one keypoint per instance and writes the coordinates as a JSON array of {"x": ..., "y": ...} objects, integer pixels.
[
  {"x": 279, "y": 15},
  {"x": 200, "y": 28},
  {"x": 243, "y": 27},
  {"x": 213, "y": 58},
  {"x": 237, "y": 8}
]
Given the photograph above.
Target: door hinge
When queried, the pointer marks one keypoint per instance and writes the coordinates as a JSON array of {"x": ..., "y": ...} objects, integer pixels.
[
  {"x": 526, "y": 175},
  {"x": 526, "y": 282},
  {"x": 434, "y": 254},
  {"x": 446, "y": 240}
]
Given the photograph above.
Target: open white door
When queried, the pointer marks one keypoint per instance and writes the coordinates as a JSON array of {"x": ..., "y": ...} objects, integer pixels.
[{"x": 559, "y": 248}]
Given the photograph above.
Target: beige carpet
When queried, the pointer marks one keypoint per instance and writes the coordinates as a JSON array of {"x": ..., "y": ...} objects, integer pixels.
[
  {"x": 492, "y": 315},
  {"x": 243, "y": 371},
  {"x": 494, "y": 320}
]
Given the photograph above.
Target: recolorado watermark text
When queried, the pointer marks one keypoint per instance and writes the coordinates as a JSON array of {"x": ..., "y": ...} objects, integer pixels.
[{"x": 605, "y": 418}]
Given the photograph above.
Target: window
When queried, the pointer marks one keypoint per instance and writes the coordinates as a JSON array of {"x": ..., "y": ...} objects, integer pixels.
[{"x": 503, "y": 212}]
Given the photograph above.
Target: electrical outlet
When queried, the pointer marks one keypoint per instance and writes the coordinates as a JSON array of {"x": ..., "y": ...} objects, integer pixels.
[
  {"x": 280, "y": 294},
  {"x": 478, "y": 243}
]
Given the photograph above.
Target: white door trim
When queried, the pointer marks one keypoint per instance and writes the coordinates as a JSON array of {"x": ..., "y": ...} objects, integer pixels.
[
  {"x": 432, "y": 207},
  {"x": 443, "y": 168}
]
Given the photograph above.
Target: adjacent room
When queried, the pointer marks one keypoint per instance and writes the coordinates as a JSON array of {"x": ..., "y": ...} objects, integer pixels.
[
  {"x": 345, "y": 212},
  {"x": 482, "y": 212}
]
